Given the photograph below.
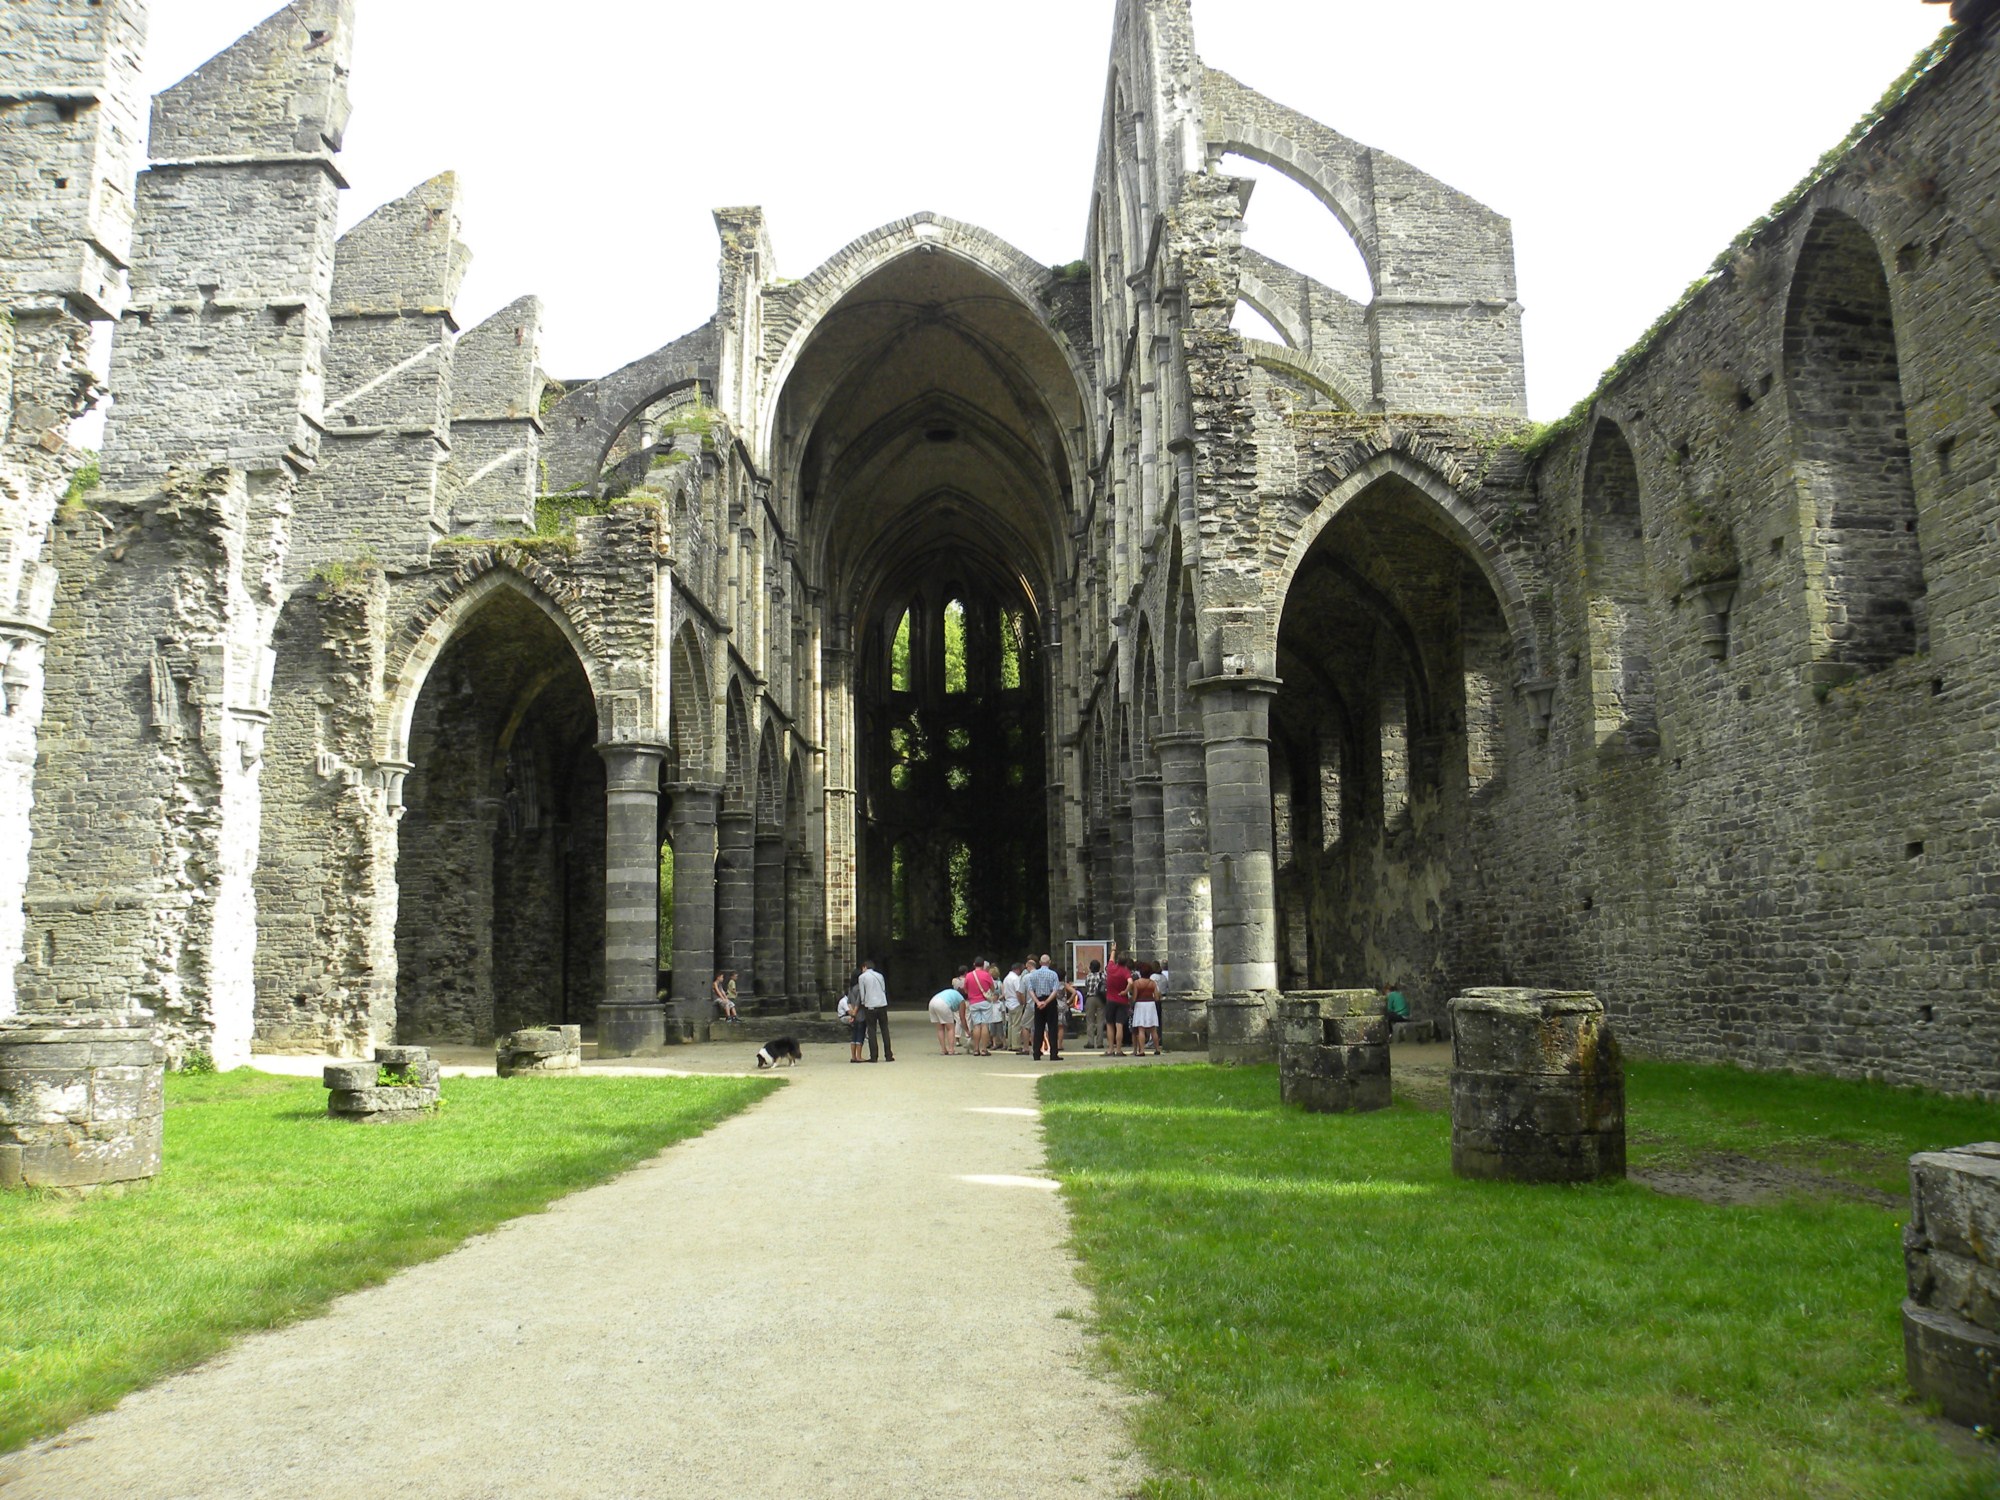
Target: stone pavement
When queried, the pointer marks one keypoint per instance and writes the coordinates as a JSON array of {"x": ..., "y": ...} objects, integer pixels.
[{"x": 857, "y": 1288}]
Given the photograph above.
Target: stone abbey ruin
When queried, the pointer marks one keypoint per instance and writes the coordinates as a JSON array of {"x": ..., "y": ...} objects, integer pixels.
[{"x": 942, "y": 601}]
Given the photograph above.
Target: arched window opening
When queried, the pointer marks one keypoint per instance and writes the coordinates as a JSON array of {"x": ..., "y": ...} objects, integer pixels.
[
  {"x": 1614, "y": 559},
  {"x": 666, "y": 903},
  {"x": 961, "y": 889},
  {"x": 899, "y": 657},
  {"x": 899, "y": 894},
  {"x": 956, "y": 677},
  {"x": 1283, "y": 846},
  {"x": 1010, "y": 651},
  {"x": 1254, "y": 325},
  {"x": 1287, "y": 223},
  {"x": 1851, "y": 443}
]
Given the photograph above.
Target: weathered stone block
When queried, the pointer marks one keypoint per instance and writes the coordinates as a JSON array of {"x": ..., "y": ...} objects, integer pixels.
[
  {"x": 1953, "y": 1284},
  {"x": 80, "y": 1100},
  {"x": 539, "y": 1050},
  {"x": 355, "y": 1091},
  {"x": 346, "y": 1077},
  {"x": 1953, "y": 1363},
  {"x": 1955, "y": 1201},
  {"x": 1537, "y": 1088},
  {"x": 1333, "y": 1052},
  {"x": 1239, "y": 1030}
]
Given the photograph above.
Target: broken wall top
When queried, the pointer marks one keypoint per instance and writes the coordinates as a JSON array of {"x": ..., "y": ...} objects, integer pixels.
[{"x": 280, "y": 91}]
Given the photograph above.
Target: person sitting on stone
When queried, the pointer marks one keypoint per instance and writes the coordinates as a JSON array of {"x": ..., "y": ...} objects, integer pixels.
[
  {"x": 1394, "y": 1005},
  {"x": 725, "y": 1006}
]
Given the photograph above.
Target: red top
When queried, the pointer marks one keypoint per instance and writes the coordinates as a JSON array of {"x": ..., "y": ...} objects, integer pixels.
[
  {"x": 1144, "y": 989},
  {"x": 1117, "y": 979},
  {"x": 978, "y": 985}
]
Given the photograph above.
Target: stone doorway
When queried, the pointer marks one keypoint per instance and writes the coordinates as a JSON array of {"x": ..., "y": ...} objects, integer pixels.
[{"x": 501, "y": 865}]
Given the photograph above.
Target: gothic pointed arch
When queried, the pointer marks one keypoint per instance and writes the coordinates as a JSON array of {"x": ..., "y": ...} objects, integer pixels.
[{"x": 1619, "y": 624}]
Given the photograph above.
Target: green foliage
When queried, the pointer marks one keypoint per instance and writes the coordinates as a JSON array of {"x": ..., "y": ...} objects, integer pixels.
[
  {"x": 666, "y": 904},
  {"x": 397, "y": 1078},
  {"x": 955, "y": 676},
  {"x": 345, "y": 573},
  {"x": 268, "y": 1210},
  {"x": 196, "y": 1063},
  {"x": 1317, "y": 1307},
  {"x": 555, "y": 515},
  {"x": 1545, "y": 436},
  {"x": 696, "y": 417},
  {"x": 1076, "y": 270},
  {"x": 552, "y": 393},
  {"x": 89, "y": 476},
  {"x": 899, "y": 658}
]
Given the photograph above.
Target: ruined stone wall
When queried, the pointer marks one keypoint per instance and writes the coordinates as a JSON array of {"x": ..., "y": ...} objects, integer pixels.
[{"x": 1803, "y": 872}]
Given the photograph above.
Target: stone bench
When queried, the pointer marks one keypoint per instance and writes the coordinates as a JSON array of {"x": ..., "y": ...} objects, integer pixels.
[
  {"x": 1537, "y": 1087},
  {"x": 81, "y": 1100},
  {"x": 1951, "y": 1250},
  {"x": 539, "y": 1050},
  {"x": 1333, "y": 1051},
  {"x": 1413, "y": 1033},
  {"x": 356, "y": 1091}
]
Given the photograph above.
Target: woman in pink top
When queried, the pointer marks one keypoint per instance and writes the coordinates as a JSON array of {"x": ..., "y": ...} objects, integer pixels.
[{"x": 979, "y": 987}]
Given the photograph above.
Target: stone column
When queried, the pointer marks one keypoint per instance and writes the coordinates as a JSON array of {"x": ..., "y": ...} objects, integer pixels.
[
  {"x": 735, "y": 897},
  {"x": 842, "y": 940},
  {"x": 691, "y": 824},
  {"x": 1118, "y": 881},
  {"x": 771, "y": 923},
  {"x": 1149, "y": 869},
  {"x": 629, "y": 1018},
  {"x": 1190, "y": 940},
  {"x": 1236, "y": 720}
]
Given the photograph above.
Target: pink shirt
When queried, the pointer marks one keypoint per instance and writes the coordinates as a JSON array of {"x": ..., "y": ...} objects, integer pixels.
[
  {"x": 978, "y": 985},
  {"x": 1116, "y": 979}
]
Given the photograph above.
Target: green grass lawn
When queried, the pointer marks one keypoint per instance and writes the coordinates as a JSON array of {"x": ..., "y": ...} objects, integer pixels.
[
  {"x": 1316, "y": 1307},
  {"x": 267, "y": 1211}
]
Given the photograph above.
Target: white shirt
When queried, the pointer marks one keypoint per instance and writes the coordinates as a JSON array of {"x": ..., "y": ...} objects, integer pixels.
[
  {"x": 874, "y": 993},
  {"x": 1010, "y": 990}
]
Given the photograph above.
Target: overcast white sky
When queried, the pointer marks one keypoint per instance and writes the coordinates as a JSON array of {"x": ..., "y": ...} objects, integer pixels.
[{"x": 1628, "y": 142}]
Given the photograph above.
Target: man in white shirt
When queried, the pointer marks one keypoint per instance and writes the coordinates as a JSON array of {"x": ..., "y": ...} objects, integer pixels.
[
  {"x": 1010, "y": 1000},
  {"x": 875, "y": 1000}
]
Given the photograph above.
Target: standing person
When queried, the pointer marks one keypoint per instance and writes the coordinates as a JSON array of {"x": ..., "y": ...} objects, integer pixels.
[
  {"x": 855, "y": 1019},
  {"x": 1145, "y": 1010},
  {"x": 1093, "y": 1005},
  {"x": 1010, "y": 1003},
  {"x": 725, "y": 1004},
  {"x": 1117, "y": 1005},
  {"x": 875, "y": 1007},
  {"x": 979, "y": 987},
  {"x": 944, "y": 1009},
  {"x": 1043, "y": 987},
  {"x": 1162, "y": 978}
]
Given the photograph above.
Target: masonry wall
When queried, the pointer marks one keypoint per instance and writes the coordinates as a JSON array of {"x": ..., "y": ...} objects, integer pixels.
[{"x": 1804, "y": 872}]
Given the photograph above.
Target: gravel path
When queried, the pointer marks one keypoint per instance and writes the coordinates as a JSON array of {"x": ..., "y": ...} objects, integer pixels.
[{"x": 687, "y": 1330}]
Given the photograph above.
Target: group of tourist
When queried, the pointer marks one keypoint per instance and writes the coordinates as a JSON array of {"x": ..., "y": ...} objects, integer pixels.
[{"x": 1024, "y": 1012}]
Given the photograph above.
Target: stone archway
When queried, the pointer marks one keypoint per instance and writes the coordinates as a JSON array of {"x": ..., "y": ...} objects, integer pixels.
[{"x": 502, "y": 851}]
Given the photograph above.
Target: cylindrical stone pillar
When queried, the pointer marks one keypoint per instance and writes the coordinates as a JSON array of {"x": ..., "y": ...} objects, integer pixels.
[
  {"x": 771, "y": 924},
  {"x": 1120, "y": 882},
  {"x": 1189, "y": 953},
  {"x": 1236, "y": 735},
  {"x": 838, "y": 927},
  {"x": 1537, "y": 1087},
  {"x": 736, "y": 897},
  {"x": 629, "y": 1018},
  {"x": 80, "y": 1100},
  {"x": 691, "y": 825},
  {"x": 1333, "y": 1051},
  {"x": 1149, "y": 869}
]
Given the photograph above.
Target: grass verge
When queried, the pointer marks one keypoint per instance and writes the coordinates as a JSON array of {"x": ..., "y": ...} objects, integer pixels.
[
  {"x": 1316, "y": 1307},
  {"x": 267, "y": 1211}
]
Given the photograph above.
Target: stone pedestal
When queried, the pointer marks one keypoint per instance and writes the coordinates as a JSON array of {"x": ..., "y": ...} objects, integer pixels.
[
  {"x": 1333, "y": 1051},
  {"x": 1239, "y": 1030},
  {"x": 1537, "y": 1087},
  {"x": 400, "y": 1084},
  {"x": 1951, "y": 1248},
  {"x": 80, "y": 1100},
  {"x": 1184, "y": 1023},
  {"x": 539, "y": 1050}
]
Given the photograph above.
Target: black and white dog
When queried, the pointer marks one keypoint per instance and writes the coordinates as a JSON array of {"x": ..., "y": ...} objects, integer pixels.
[{"x": 784, "y": 1050}]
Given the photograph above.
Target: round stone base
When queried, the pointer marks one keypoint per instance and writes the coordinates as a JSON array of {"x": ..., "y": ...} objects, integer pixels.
[{"x": 80, "y": 1101}]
